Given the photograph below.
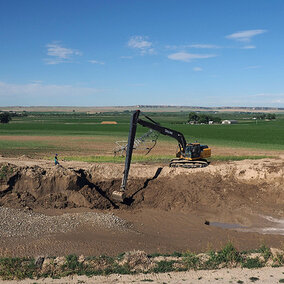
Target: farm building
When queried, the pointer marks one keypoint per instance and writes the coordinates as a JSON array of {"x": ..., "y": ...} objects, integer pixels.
[
  {"x": 229, "y": 121},
  {"x": 108, "y": 122}
]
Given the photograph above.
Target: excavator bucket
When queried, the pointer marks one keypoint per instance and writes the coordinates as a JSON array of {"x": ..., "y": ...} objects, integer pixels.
[{"x": 118, "y": 196}]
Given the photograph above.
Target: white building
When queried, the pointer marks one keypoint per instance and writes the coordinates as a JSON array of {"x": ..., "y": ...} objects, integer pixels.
[{"x": 229, "y": 121}]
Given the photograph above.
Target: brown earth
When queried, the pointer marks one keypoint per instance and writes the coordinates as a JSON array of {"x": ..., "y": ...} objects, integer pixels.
[
  {"x": 86, "y": 146},
  {"x": 167, "y": 207}
]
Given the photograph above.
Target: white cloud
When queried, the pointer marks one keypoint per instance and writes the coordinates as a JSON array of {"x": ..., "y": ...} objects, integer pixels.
[
  {"x": 269, "y": 95},
  {"x": 207, "y": 46},
  {"x": 197, "y": 69},
  {"x": 171, "y": 46},
  {"x": 142, "y": 44},
  {"x": 96, "y": 62},
  {"x": 59, "y": 54},
  {"x": 249, "y": 47},
  {"x": 187, "y": 57},
  {"x": 245, "y": 36},
  {"x": 253, "y": 67},
  {"x": 43, "y": 94},
  {"x": 139, "y": 42},
  {"x": 201, "y": 46}
]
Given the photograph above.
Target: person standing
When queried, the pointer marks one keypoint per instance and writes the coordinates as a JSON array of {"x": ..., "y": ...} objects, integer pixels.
[{"x": 56, "y": 160}]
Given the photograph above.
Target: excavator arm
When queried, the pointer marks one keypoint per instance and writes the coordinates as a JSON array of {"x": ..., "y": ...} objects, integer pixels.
[
  {"x": 165, "y": 131},
  {"x": 120, "y": 195}
]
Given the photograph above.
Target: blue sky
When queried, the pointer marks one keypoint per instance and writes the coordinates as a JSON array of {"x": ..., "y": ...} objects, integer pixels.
[{"x": 129, "y": 52}]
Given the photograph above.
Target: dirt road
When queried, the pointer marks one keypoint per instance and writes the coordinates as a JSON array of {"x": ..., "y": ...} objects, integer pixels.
[{"x": 265, "y": 275}]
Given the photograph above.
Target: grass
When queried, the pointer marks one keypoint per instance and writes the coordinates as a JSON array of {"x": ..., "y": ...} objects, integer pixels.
[
  {"x": 81, "y": 137},
  {"x": 21, "y": 268},
  {"x": 16, "y": 268},
  {"x": 265, "y": 252},
  {"x": 191, "y": 260},
  {"x": 153, "y": 158},
  {"x": 228, "y": 255},
  {"x": 36, "y": 145},
  {"x": 112, "y": 159},
  {"x": 239, "y": 158},
  {"x": 164, "y": 266},
  {"x": 5, "y": 170},
  {"x": 253, "y": 263}
]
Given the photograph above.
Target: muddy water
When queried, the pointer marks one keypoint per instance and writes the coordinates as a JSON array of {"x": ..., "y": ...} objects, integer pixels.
[
  {"x": 226, "y": 225},
  {"x": 266, "y": 225},
  {"x": 270, "y": 225}
]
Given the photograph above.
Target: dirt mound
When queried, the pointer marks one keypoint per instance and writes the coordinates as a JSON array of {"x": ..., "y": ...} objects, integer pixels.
[
  {"x": 35, "y": 187},
  {"x": 210, "y": 192},
  {"x": 227, "y": 187}
]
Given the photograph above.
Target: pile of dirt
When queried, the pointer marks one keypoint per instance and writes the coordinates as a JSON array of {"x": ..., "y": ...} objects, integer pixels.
[
  {"x": 215, "y": 188},
  {"x": 36, "y": 187}
]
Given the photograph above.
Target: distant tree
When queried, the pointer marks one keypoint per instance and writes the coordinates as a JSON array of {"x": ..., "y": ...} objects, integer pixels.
[
  {"x": 216, "y": 119},
  {"x": 203, "y": 118},
  {"x": 5, "y": 117},
  {"x": 193, "y": 117},
  {"x": 261, "y": 116},
  {"x": 270, "y": 116}
]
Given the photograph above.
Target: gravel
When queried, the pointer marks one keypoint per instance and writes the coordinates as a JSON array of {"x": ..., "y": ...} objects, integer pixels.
[{"x": 20, "y": 223}]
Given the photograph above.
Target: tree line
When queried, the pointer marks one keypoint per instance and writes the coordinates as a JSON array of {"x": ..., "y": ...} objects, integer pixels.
[
  {"x": 196, "y": 118},
  {"x": 193, "y": 117},
  {"x": 5, "y": 117},
  {"x": 269, "y": 116}
]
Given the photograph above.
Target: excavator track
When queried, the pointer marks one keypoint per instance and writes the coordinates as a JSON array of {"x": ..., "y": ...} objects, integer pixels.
[{"x": 183, "y": 163}]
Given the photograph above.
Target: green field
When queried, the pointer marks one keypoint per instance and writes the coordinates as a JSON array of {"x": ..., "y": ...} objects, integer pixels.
[{"x": 248, "y": 133}]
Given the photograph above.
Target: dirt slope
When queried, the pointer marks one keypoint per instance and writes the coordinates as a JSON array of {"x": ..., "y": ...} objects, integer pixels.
[{"x": 248, "y": 184}]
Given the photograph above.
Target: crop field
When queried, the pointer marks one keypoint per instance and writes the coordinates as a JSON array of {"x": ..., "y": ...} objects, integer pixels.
[{"x": 81, "y": 134}]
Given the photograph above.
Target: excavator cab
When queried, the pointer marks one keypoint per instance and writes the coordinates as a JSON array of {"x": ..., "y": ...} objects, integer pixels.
[
  {"x": 192, "y": 151},
  {"x": 195, "y": 151}
]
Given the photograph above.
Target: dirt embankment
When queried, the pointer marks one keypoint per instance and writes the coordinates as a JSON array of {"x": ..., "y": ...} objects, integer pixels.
[{"x": 245, "y": 185}]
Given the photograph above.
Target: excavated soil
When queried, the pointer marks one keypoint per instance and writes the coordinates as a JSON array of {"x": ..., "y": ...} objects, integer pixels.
[
  {"x": 166, "y": 207},
  {"x": 228, "y": 187}
]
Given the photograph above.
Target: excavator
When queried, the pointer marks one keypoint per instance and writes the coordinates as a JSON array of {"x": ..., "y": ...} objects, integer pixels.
[{"x": 189, "y": 155}]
